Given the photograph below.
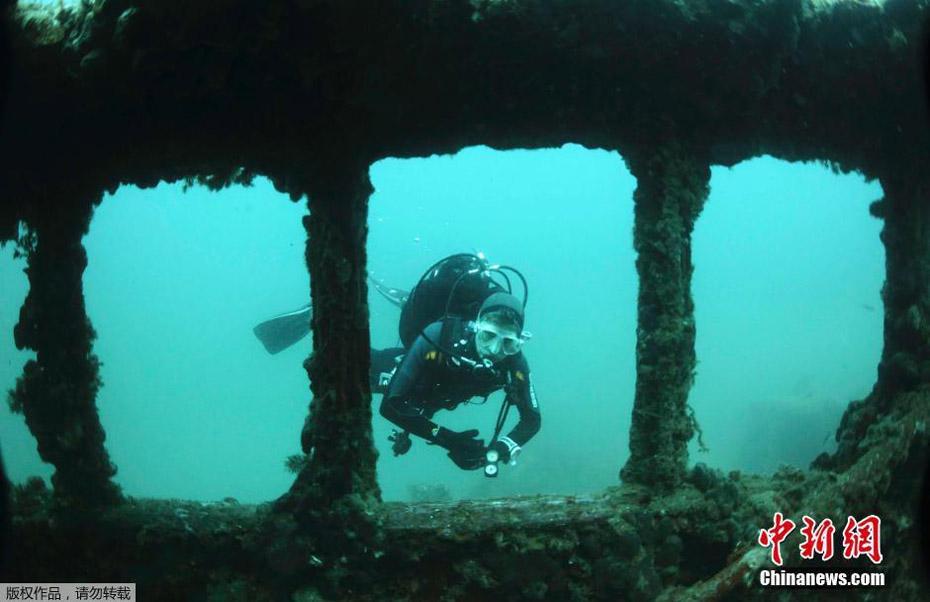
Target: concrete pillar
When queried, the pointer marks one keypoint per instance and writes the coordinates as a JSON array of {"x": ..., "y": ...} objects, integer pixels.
[
  {"x": 671, "y": 190},
  {"x": 338, "y": 436},
  {"x": 57, "y": 391},
  {"x": 905, "y": 361}
]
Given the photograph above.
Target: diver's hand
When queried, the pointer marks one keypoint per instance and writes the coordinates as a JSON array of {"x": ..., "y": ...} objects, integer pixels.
[
  {"x": 468, "y": 459},
  {"x": 465, "y": 448},
  {"x": 465, "y": 442},
  {"x": 400, "y": 442},
  {"x": 503, "y": 452}
]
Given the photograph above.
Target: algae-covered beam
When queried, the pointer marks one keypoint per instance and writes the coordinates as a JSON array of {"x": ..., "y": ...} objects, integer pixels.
[
  {"x": 620, "y": 546},
  {"x": 671, "y": 189},
  {"x": 337, "y": 437},
  {"x": 189, "y": 86},
  {"x": 626, "y": 545},
  {"x": 57, "y": 390}
]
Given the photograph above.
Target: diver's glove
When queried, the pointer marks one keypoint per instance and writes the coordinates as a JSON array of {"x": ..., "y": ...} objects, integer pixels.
[
  {"x": 468, "y": 459},
  {"x": 503, "y": 452},
  {"x": 400, "y": 442},
  {"x": 465, "y": 448},
  {"x": 457, "y": 442},
  {"x": 507, "y": 450}
]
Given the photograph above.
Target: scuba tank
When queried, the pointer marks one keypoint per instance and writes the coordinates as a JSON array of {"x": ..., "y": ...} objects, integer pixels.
[{"x": 453, "y": 287}]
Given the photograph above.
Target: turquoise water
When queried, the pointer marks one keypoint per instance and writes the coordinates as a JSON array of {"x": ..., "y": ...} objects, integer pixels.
[{"x": 788, "y": 270}]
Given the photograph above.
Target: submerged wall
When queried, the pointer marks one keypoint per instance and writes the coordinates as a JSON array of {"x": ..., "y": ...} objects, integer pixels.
[{"x": 311, "y": 92}]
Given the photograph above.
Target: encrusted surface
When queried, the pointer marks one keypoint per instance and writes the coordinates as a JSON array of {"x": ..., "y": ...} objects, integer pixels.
[
  {"x": 137, "y": 91},
  {"x": 310, "y": 92},
  {"x": 628, "y": 543},
  {"x": 670, "y": 193}
]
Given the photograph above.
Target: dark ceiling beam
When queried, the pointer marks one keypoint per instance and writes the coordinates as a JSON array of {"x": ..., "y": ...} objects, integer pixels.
[{"x": 137, "y": 91}]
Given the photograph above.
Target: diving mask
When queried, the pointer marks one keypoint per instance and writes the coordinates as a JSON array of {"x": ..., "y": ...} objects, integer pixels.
[{"x": 492, "y": 340}]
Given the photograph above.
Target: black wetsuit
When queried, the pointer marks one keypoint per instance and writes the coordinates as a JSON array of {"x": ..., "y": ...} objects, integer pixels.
[{"x": 427, "y": 381}]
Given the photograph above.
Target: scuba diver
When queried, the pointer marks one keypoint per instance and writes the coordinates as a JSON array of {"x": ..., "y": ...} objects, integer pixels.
[
  {"x": 462, "y": 331},
  {"x": 463, "y": 334}
]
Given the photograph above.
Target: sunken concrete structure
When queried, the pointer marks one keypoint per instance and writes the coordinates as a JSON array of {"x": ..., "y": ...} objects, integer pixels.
[
  {"x": 671, "y": 189},
  {"x": 311, "y": 92}
]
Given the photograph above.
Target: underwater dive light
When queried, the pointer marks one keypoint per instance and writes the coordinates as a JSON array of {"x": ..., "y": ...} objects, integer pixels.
[{"x": 491, "y": 457}]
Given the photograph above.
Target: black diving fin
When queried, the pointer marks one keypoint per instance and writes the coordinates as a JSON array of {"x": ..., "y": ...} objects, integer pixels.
[
  {"x": 280, "y": 332},
  {"x": 395, "y": 295}
]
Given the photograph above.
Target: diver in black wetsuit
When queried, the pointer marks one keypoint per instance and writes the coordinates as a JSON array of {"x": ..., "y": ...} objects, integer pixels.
[
  {"x": 462, "y": 334},
  {"x": 452, "y": 361}
]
